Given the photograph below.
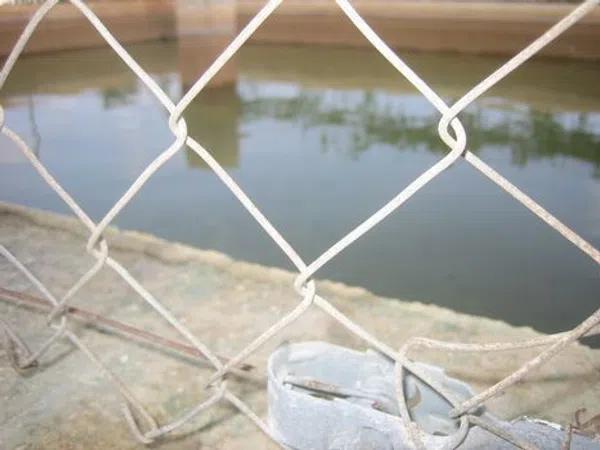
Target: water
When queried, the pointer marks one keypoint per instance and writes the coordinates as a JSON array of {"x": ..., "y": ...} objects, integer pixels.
[{"x": 320, "y": 138}]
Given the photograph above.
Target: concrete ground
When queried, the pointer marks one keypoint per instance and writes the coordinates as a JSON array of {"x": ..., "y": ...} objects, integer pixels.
[{"x": 66, "y": 404}]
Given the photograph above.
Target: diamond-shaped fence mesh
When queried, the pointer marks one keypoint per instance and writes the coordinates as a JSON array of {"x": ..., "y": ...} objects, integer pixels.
[{"x": 452, "y": 133}]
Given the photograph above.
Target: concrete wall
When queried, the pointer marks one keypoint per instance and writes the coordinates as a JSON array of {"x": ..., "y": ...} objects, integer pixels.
[
  {"x": 208, "y": 25},
  {"x": 204, "y": 29},
  {"x": 66, "y": 28},
  {"x": 472, "y": 27}
]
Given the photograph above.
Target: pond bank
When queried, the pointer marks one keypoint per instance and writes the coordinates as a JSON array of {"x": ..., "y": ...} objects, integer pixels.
[
  {"x": 226, "y": 303},
  {"x": 468, "y": 27},
  {"x": 501, "y": 28},
  {"x": 65, "y": 27}
]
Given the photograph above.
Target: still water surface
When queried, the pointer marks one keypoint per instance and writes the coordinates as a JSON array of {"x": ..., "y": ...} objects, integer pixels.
[{"x": 320, "y": 138}]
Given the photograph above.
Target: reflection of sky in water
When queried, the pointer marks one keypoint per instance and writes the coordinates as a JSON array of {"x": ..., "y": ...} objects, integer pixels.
[{"x": 319, "y": 159}]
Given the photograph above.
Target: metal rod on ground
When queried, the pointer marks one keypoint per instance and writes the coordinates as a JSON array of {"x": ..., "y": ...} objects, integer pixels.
[{"x": 90, "y": 318}]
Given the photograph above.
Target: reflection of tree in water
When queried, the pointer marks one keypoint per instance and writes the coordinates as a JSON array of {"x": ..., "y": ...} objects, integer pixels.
[
  {"x": 527, "y": 132},
  {"x": 124, "y": 94},
  {"x": 116, "y": 96},
  {"x": 35, "y": 131}
]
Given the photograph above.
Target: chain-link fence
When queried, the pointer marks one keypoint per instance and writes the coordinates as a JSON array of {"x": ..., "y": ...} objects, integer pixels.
[{"x": 450, "y": 130}]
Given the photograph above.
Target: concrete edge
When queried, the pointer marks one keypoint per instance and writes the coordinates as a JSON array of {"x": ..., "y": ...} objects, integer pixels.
[{"x": 171, "y": 252}]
